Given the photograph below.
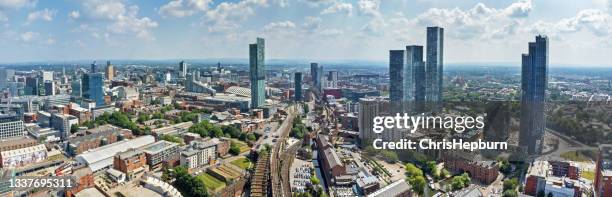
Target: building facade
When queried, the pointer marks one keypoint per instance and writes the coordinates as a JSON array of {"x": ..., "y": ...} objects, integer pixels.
[
  {"x": 11, "y": 126},
  {"x": 257, "y": 73},
  {"x": 534, "y": 80},
  {"x": 298, "y": 86},
  {"x": 93, "y": 88},
  {"x": 434, "y": 68}
]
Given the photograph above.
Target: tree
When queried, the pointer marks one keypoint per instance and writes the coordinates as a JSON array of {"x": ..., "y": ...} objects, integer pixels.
[
  {"x": 412, "y": 170},
  {"x": 74, "y": 128},
  {"x": 510, "y": 193},
  {"x": 187, "y": 184},
  {"x": 459, "y": 182},
  {"x": 510, "y": 184},
  {"x": 419, "y": 184},
  {"x": 314, "y": 180},
  {"x": 306, "y": 108},
  {"x": 234, "y": 149},
  {"x": 251, "y": 137}
]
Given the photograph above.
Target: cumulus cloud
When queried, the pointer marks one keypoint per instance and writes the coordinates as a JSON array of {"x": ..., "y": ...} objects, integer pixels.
[
  {"x": 74, "y": 14},
  {"x": 339, "y": 7},
  {"x": 182, "y": 8},
  {"x": 595, "y": 21},
  {"x": 122, "y": 19},
  {"x": 312, "y": 23},
  {"x": 331, "y": 32},
  {"x": 279, "y": 25},
  {"x": 369, "y": 7},
  {"x": 15, "y": 4},
  {"x": 45, "y": 15},
  {"x": 519, "y": 9},
  {"x": 28, "y": 36},
  {"x": 227, "y": 15}
]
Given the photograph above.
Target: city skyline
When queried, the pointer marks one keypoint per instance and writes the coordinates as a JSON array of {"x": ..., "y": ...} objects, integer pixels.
[{"x": 302, "y": 29}]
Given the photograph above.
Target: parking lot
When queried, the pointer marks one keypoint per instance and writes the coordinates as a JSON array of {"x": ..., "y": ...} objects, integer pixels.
[{"x": 300, "y": 174}]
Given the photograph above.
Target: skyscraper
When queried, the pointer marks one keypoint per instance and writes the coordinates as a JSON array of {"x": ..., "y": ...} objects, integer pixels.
[
  {"x": 110, "y": 71},
  {"x": 94, "y": 67},
  {"x": 31, "y": 87},
  {"x": 534, "y": 80},
  {"x": 182, "y": 69},
  {"x": 435, "y": 64},
  {"x": 406, "y": 72},
  {"x": 257, "y": 72},
  {"x": 298, "y": 86},
  {"x": 92, "y": 87},
  {"x": 76, "y": 87},
  {"x": 316, "y": 73}
]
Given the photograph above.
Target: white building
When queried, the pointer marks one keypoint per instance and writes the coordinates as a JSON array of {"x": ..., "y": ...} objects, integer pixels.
[
  {"x": 24, "y": 156},
  {"x": 102, "y": 157},
  {"x": 199, "y": 154},
  {"x": 11, "y": 126}
]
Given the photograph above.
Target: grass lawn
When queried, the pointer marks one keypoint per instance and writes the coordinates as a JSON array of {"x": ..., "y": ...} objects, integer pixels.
[
  {"x": 211, "y": 182},
  {"x": 243, "y": 163},
  {"x": 242, "y": 145},
  {"x": 588, "y": 175},
  {"x": 575, "y": 156}
]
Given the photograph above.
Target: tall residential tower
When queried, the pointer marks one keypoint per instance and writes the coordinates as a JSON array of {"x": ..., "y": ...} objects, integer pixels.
[
  {"x": 534, "y": 79},
  {"x": 257, "y": 72},
  {"x": 435, "y": 64}
]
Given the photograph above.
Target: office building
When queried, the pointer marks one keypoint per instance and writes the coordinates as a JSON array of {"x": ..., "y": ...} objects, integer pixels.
[
  {"x": 63, "y": 123},
  {"x": 76, "y": 87},
  {"x": 110, "y": 71},
  {"x": 102, "y": 158},
  {"x": 182, "y": 69},
  {"x": 257, "y": 73},
  {"x": 316, "y": 73},
  {"x": 435, "y": 64},
  {"x": 94, "y": 68},
  {"x": 92, "y": 87},
  {"x": 11, "y": 126},
  {"x": 49, "y": 88},
  {"x": 298, "y": 86},
  {"x": 47, "y": 75},
  {"x": 31, "y": 85},
  {"x": 534, "y": 80},
  {"x": 6, "y": 74}
]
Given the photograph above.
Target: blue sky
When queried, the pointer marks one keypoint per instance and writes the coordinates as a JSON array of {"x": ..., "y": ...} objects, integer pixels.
[{"x": 475, "y": 30}]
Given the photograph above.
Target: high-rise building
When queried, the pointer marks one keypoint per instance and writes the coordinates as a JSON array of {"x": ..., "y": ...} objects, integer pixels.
[
  {"x": 332, "y": 79},
  {"x": 534, "y": 80},
  {"x": 47, "y": 76},
  {"x": 63, "y": 123},
  {"x": 406, "y": 76},
  {"x": 298, "y": 86},
  {"x": 76, "y": 87},
  {"x": 110, "y": 71},
  {"x": 182, "y": 69},
  {"x": 31, "y": 85},
  {"x": 368, "y": 109},
  {"x": 94, "y": 67},
  {"x": 316, "y": 73},
  {"x": 6, "y": 74},
  {"x": 435, "y": 64},
  {"x": 92, "y": 87},
  {"x": 257, "y": 72},
  {"x": 49, "y": 88},
  {"x": 11, "y": 126}
]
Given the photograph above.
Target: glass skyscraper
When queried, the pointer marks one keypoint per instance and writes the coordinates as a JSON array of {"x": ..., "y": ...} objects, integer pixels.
[
  {"x": 316, "y": 72},
  {"x": 298, "y": 86},
  {"x": 257, "y": 73},
  {"x": 434, "y": 67},
  {"x": 407, "y": 76},
  {"x": 534, "y": 80},
  {"x": 92, "y": 85}
]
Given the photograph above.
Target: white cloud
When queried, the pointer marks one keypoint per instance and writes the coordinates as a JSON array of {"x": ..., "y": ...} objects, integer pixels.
[
  {"x": 311, "y": 23},
  {"x": 339, "y": 7},
  {"x": 74, "y": 15},
  {"x": 279, "y": 25},
  {"x": 595, "y": 21},
  {"x": 16, "y": 4},
  {"x": 317, "y": 3},
  {"x": 50, "y": 41},
  {"x": 122, "y": 19},
  {"x": 182, "y": 8},
  {"x": 227, "y": 15},
  {"x": 45, "y": 15},
  {"x": 331, "y": 32},
  {"x": 282, "y": 3},
  {"x": 519, "y": 9},
  {"x": 28, "y": 36},
  {"x": 369, "y": 7}
]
